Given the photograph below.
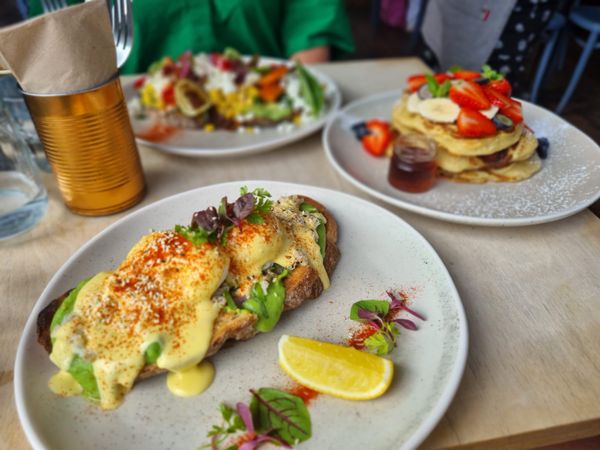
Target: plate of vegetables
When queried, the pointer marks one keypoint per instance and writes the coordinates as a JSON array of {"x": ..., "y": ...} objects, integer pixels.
[{"x": 223, "y": 104}]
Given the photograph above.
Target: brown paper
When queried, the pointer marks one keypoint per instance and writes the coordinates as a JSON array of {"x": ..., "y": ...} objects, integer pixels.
[{"x": 68, "y": 50}]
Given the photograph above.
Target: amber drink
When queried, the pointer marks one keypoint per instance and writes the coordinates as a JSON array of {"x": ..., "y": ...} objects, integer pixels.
[{"x": 91, "y": 148}]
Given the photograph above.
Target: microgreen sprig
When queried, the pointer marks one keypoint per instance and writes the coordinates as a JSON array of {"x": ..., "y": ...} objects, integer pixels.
[
  {"x": 212, "y": 224},
  {"x": 437, "y": 89},
  {"x": 273, "y": 416},
  {"x": 381, "y": 315},
  {"x": 490, "y": 74}
]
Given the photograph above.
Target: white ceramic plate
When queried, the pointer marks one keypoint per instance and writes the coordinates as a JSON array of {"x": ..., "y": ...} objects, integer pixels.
[
  {"x": 379, "y": 251},
  {"x": 568, "y": 182},
  {"x": 228, "y": 143}
]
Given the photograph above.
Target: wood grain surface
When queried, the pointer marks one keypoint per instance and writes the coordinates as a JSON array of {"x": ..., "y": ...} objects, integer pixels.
[{"x": 532, "y": 294}]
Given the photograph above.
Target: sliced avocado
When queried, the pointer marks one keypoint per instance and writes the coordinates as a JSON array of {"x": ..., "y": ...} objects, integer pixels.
[
  {"x": 321, "y": 232},
  {"x": 152, "y": 352},
  {"x": 83, "y": 372},
  {"x": 271, "y": 111},
  {"x": 66, "y": 307}
]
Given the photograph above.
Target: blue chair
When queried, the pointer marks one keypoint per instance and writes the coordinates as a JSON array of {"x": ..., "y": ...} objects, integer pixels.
[
  {"x": 553, "y": 30},
  {"x": 588, "y": 18}
]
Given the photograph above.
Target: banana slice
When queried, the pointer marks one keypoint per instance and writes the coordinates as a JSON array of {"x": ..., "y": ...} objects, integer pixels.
[
  {"x": 441, "y": 110},
  {"x": 490, "y": 112},
  {"x": 413, "y": 103}
]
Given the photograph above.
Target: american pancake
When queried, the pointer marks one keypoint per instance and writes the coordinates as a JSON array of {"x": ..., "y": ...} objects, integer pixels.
[{"x": 477, "y": 127}]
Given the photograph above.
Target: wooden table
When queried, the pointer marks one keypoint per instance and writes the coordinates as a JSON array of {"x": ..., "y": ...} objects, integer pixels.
[{"x": 532, "y": 294}]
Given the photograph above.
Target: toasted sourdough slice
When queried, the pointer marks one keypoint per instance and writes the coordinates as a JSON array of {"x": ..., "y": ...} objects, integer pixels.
[{"x": 302, "y": 284}]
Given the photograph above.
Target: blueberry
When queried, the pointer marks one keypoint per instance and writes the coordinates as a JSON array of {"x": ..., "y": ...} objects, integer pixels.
[
  {"x": 542, "y": 148},
  {"x": 502, "y": 122},
  {"x": 360, "y": 130}
]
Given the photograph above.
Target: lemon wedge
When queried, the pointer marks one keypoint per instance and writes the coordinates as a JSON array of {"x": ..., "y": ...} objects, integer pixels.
[{"x": 333, "y": 369}]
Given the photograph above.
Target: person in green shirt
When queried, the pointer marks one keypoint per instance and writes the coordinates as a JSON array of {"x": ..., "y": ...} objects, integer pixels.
[{"x": 308, "y": 30}]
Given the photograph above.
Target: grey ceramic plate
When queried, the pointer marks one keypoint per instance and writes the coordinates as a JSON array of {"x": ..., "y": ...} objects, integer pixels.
[
  {"x": 379, "y": 251},
  {"x": 568, "y": 182},
  {"x": 197, "y": 143}
]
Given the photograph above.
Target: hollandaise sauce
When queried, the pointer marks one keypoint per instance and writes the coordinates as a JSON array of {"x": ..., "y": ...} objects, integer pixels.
[
  {"x": 161, "y": 293},
  {"x": 191, "y": 381},
  {"x": 62, "y": 383},
  {"x": 286, "y": 237}
]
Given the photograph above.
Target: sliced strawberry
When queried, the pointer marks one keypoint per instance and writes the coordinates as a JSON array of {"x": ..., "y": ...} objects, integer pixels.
[
  {"x": 441, "y": 77},
  {"x": 469, "y": 95},
  {"x": 502, "y": 86},
  {"x": 466, "y": 75},
  {"x": 378, "y": 138},
  {"x": 497, "y": 98},
  {"x": 472, "y": 123},
  {"x": 415, "y": 82},
  {"x": 513, "y": 112}
]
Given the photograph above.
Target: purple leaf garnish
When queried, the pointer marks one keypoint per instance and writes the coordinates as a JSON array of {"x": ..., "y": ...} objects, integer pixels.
[
  {"x": 207, "y": 219},
  {"x": 254, "y": 443},
  {"x": 367, "y": 315},
  {"x": 405, "y": 323},
  {"x": 398, "y": 304},
  {"x": 246, "y": 416},
  {"x": 372, "y": 317},
  {"x": 243, "y": 206}
]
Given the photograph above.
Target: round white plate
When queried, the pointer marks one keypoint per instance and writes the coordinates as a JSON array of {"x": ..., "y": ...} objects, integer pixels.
[
  {"x": 568, "y": 182},
  {"x": 198, "y": 143},
  {"x": 379, "y": 251}
]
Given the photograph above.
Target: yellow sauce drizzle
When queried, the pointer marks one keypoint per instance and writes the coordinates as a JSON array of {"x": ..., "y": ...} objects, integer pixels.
[
  {"x": 62, "y": 383},
  {"x": 192, "y": 380}
]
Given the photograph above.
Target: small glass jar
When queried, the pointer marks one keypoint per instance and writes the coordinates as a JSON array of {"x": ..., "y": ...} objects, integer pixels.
[{"x": 412, "y": 166}]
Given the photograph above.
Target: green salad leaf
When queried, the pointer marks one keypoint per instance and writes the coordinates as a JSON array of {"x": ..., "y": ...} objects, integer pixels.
[
  {"x": 267, "y": 305},
  {"x": 66, "y": 307},
  {"x": 152, "y": 352},
  {"x": 321, "y": 231},
  {"x": 282, "y": 412},
  {"x": 83, "y": 372},
  {"x": 379, "y": 307},
  {"x": 271, "y": 111},
  {"x": 311, "y": 90},
  {"x": 196, "y": 235}
]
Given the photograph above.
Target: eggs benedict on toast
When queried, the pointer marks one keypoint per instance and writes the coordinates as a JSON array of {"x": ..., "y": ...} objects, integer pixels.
[{"x": 180, "y": 295}]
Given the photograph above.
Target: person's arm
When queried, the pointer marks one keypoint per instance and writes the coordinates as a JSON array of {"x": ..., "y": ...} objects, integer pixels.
[
  {"x": 315, "y": 30},
  {"x": 313, "y": 55}
]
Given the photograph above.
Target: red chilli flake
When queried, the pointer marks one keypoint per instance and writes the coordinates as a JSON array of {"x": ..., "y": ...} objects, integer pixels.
[
  {"x": 358, "y": 337},
  {"x": 306, "y": 394}
]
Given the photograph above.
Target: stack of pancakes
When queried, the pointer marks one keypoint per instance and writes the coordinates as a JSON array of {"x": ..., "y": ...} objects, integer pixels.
[{"x": 509, "y": 155}]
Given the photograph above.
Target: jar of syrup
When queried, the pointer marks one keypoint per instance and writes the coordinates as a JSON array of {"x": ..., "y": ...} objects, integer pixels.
[{"x": 412, "y": 166}]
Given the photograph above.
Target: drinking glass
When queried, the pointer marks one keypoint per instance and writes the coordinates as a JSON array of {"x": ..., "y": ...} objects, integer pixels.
[
  {"x": 15, "y": 106},
  {"x": 23, "y": 198}
]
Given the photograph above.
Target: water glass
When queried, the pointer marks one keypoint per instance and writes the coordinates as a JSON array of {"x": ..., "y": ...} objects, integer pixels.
[
  {"x": 23, "y": 198},
  {"x": 15, "y": 106}
]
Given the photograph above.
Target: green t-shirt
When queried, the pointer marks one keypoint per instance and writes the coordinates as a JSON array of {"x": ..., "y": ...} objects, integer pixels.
[{"x": 276, "y": 28}]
